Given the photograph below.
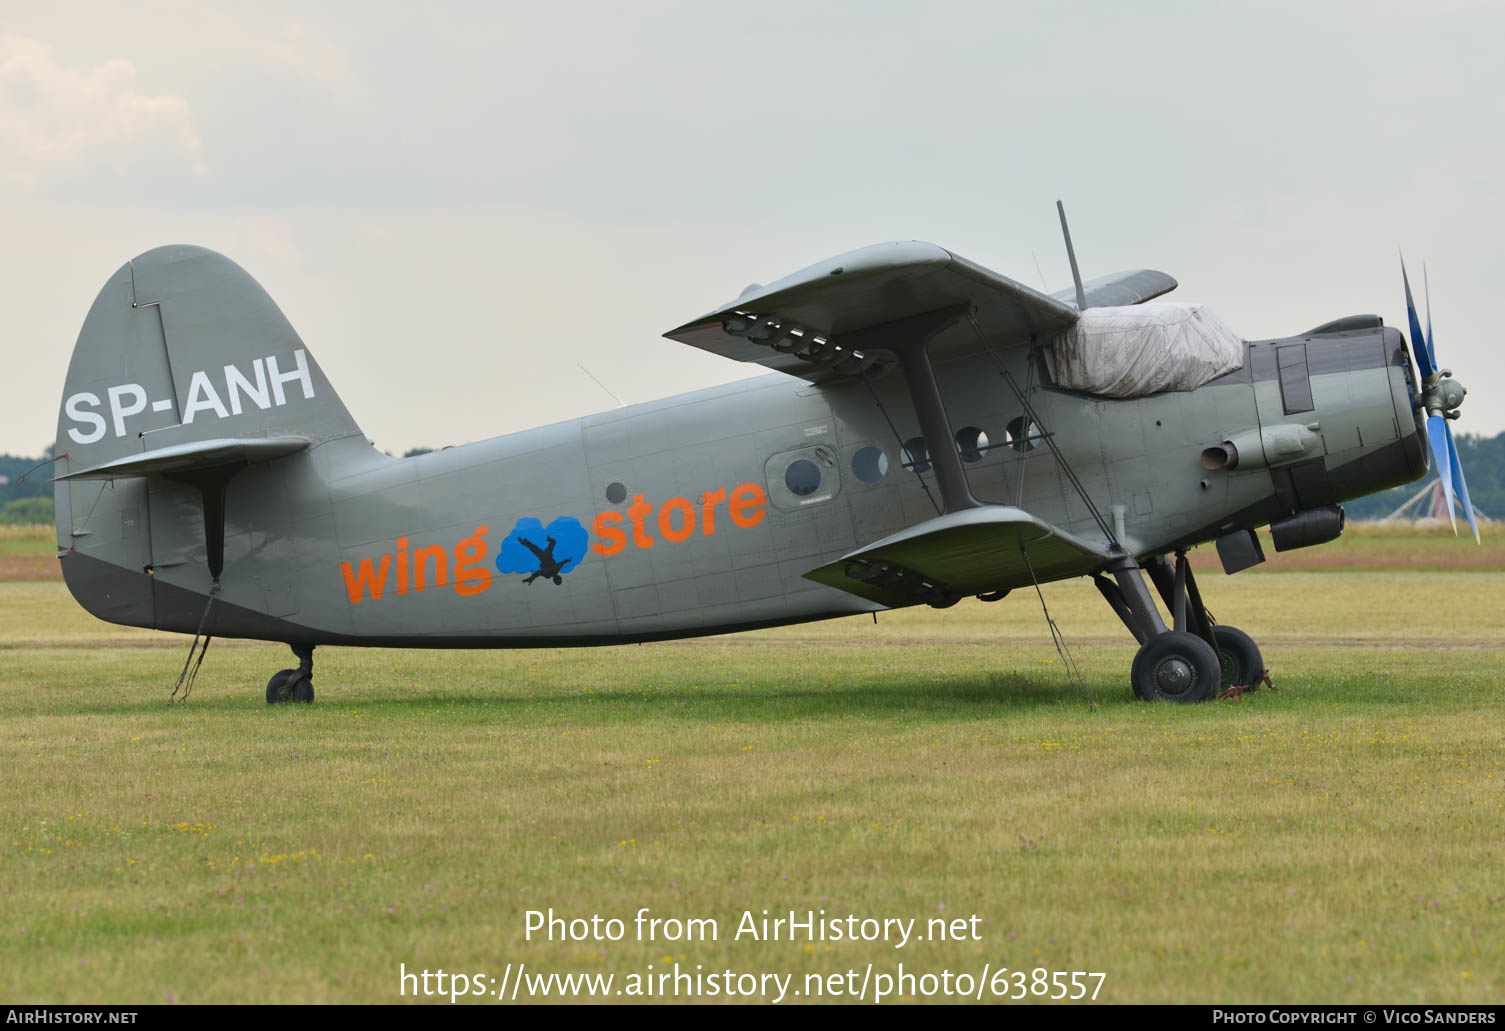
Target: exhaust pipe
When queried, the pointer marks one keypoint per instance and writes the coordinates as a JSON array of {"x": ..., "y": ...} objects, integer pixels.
[{"x": 1254, "y": 449}]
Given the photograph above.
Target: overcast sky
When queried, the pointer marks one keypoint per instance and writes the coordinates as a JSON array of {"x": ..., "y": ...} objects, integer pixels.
[{"x": 456, "y": 205}]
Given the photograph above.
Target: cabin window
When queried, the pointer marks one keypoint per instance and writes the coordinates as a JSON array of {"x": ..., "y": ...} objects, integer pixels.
[
  {"x": 870, "y": 464},
  {"x": 802, "y": 477},
  {"x": 916, "y": 455},
  {"x": 1021, "y": 435},
  {"x": 972, "y": 443}
]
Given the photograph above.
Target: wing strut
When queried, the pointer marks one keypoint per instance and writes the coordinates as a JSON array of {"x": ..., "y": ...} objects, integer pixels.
[
  {"x": 898, "y": 442},
  {"x": 909, "y": 338}
]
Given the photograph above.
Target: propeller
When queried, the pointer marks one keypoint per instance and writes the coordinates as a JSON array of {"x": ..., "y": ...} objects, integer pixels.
[{"x": 1440, "y": 396}]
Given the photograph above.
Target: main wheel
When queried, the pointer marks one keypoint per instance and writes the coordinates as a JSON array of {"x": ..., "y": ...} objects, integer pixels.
[
  {"x": 1176, "y": 667},
  {"x": 299, "y": 686},
  {"x": 278, "y": 688},
  {"x": 1242, "y": 663},
  {"x": 303, "y": 687}
]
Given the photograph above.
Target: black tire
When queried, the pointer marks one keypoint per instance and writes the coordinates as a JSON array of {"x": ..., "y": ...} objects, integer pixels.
[
  {"x": 1239, "y": 656},
  {"x": 1176, "y": 667},
  {"x": 302, "y": 686},
  {"x": 278, "y": 689}
]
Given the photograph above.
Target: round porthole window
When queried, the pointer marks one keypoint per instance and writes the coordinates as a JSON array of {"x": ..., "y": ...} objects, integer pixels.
[
  {"x": 972, "y": 443},
  {"x": 802, "y": 477},
  {"x": 1020, "y": 434},
  {"x": 870, "y": 464},
  {"x": 616, "y": 493},
  {"x": 916, "y": 456}
]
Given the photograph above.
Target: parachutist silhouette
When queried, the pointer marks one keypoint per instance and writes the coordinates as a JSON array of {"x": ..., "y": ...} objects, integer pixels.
[{"x": 548, "y": 565}]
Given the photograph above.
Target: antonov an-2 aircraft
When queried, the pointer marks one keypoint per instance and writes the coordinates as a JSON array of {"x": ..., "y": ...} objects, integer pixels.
[{"x": 929, "y": 430}]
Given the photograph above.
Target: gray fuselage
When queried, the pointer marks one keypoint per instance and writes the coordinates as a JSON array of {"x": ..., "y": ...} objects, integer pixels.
[{"x": 699, "y": 510}]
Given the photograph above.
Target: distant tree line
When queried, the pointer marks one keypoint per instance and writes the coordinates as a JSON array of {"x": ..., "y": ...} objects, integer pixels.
[
  {"x": 1483, "y": 459},
  {"x": 29, "y": 500}
]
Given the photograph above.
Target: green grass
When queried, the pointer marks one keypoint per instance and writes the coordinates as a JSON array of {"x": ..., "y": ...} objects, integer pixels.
[
  {"x": 27, "y": 541},
  {"x": 1340, "y": 840}
]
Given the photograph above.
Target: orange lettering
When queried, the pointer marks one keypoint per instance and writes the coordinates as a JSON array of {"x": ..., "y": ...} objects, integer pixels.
[
  {"x": 357, "y": 583},
  {"x": 612, "y": 540},
  {"x": 402, "y": 565},
  {"x": 746, "y": 506},
  {"x": 636, "y": 511},
  {"x": 469, "y": 577},
  {"x": 420, "y": 566},
  {"x": 708, "y": 502},
  {"x": 666, "y": 520}
]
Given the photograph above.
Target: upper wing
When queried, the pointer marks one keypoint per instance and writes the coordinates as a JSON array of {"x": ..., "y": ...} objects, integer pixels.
[
  {"x": 1121, "y": 289},
  {"x": 810, "y": 323},
  {"x": 797, "y": 324},
  {"x": 973, "y": 551}
]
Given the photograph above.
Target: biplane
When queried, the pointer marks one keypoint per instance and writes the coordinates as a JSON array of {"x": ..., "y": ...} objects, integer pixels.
[{"x": 925, "y": 430}]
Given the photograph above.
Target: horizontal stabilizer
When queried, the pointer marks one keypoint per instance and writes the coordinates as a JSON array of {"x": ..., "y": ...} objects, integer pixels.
[
  {"x": 974, "y": 551},
  {"x": 198, "y": 454}
]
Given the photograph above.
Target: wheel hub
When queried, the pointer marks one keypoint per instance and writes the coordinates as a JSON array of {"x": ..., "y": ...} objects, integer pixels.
[{"x": 1174, "y": 675}]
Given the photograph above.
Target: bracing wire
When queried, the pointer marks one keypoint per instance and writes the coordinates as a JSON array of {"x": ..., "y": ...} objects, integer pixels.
[
  {"x": 1068, "y": 661},
  {"x": 898, "y": 440},
  {"x": 1046, "y": 436},
  {"x": 187, "y": 677}
]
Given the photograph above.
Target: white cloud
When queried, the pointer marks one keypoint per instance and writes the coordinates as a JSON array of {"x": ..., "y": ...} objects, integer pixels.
[{"x": 59, "y": 122}]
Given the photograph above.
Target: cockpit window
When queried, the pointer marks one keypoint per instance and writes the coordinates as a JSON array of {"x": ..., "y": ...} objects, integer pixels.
[{"x": 1295, "y": 383}]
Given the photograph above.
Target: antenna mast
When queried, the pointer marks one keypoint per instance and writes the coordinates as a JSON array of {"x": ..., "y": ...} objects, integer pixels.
[
  {"x": 603, "y": 386},
  {"x": 1076, "y": 276}
]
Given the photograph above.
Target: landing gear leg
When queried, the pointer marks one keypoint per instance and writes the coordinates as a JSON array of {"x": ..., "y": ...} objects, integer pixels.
[
  {"x": 1172, "y": 664},
  {"x": 1241, "y": 664},
  {"x": 294, "y": 685}
]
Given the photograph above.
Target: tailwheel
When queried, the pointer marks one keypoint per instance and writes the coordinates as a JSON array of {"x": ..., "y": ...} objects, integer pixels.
[
  {"x": 1243, "y": 665},
  {"x": 1176, "y": 666}
]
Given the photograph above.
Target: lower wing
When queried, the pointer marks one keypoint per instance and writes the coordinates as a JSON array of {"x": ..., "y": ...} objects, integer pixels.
[{"x": 974, "y": 551}]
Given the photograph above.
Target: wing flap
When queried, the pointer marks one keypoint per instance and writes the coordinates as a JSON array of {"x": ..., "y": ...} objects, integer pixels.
[{"x": 973, "y": 551}]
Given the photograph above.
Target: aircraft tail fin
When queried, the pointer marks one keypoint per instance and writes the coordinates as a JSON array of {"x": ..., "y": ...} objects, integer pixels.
[
  {"x": 182, "y": 346},
  {"x": 185, "y": 369}
]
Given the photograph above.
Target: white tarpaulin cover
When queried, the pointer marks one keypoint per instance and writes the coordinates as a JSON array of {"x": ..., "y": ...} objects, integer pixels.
[{"x": 1145, "y": 349}]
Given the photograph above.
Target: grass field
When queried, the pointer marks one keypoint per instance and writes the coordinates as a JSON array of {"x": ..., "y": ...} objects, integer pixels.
[{"x": 1340, "y": 840}]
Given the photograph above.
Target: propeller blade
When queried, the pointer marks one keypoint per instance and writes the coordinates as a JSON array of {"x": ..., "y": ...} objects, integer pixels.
[
  {"x": 1461, "y": 484},
  {"x": 1441, "y": 441},
  {"x": 1419, "y": 346},
  {"x": 1426, "y": 291}
]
